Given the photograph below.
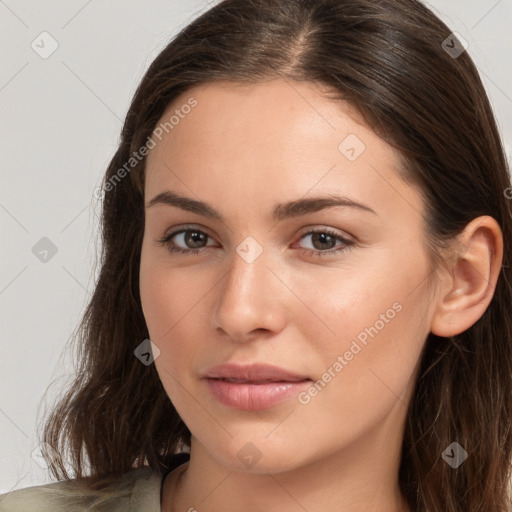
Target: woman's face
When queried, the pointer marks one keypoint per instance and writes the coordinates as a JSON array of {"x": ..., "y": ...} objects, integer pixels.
[{"x": 261, "y": 168}]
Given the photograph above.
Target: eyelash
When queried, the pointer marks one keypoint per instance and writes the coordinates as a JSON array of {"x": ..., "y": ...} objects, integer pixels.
[{"x": 166, "y": 241}]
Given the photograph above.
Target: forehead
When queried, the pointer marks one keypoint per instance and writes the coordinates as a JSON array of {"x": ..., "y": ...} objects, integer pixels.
[
  {"x": 273, "y": 138},
  {"x": 300, "y": 108}
]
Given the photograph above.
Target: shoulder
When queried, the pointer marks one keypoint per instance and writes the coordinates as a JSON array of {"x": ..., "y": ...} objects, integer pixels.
[{"x": 133, "y": 491}]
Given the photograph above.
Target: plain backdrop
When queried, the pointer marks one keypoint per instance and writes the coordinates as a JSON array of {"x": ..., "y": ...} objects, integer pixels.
[{"x": 68, "y": 71}]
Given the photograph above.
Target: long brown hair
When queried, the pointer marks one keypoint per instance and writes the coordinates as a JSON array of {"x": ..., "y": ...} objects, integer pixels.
[{"x": 390, "y": 59}]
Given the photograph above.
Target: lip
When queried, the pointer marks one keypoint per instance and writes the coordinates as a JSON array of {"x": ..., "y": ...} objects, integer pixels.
[
  {"x": 253, "y": 373},
  {"x": 253, "y": 387}
]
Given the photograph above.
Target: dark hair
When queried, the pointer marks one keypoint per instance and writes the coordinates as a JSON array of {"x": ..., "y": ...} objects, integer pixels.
[{"x": 389, "y": 59}]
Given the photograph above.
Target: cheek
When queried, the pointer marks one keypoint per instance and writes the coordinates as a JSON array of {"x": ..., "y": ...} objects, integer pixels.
[
  {"x": 156, "y": 299},
  {"x": 369, "y": 381},
  {"x": 166, "y": 296},
  {"x": 367, "y": 373},
  {"x": 380, "y": 322},
  {"x": 165, "y": 307},
  {"x": 171, "y": 301}
]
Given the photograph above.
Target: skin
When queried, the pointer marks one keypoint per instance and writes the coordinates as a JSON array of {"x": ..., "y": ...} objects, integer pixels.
[{"x": 243, "y": 149}]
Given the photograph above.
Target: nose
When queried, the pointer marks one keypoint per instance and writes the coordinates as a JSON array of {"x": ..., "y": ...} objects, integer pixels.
[{"x": 250, "y": 300}]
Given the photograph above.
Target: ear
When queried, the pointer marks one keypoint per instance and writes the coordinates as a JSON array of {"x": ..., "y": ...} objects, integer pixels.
[{"x": 466, "y": 292}]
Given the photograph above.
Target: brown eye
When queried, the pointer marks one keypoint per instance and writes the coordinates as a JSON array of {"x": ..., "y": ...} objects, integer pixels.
[
  {"x": 192, "y": 239},
  {"x": 324, "y": 242}
]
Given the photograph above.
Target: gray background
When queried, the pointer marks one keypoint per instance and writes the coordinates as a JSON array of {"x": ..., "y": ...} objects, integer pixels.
[{"x": 60, "y": 119}]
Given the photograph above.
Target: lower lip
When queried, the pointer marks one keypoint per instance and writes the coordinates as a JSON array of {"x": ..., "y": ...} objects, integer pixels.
[{"x": 253, "y": 397}]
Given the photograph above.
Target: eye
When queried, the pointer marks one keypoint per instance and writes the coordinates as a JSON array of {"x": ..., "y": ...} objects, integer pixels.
[
  {"x": 326, "y": 237},
  {"x": 198, "y": 240},
  {"x": 194, "y": 237}
]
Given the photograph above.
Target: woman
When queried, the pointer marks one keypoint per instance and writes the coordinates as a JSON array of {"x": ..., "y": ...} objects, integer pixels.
[{"x": 304, "y": 299}]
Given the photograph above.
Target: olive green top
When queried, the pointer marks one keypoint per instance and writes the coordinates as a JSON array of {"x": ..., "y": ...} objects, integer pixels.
[{"x": 138, "y": 490}]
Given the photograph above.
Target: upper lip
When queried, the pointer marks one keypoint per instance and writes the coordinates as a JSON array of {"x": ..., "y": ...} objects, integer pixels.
[{"x": 253, "y": 372}]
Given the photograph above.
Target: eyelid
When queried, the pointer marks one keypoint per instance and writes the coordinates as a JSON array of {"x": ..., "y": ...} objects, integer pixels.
[
  {"x": 322, "y": 228},
  {"x": 187, "y": 227}
]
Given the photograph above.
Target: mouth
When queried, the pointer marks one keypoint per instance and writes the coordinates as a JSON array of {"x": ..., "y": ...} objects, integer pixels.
[
  {"x": 253, "y": 395},
  {"x": 256, "y": 373},
  {"x": 253, "y": 387},
  {"x": 266, "y": 381}
]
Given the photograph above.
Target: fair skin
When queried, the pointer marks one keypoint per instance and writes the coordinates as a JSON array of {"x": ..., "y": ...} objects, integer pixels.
[{"x": 243, "y": 150}]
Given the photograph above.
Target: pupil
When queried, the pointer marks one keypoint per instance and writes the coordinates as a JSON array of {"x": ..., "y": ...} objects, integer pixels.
[
  {"x": 193, "y": 235},
  {"x": 324, "y": 238}
]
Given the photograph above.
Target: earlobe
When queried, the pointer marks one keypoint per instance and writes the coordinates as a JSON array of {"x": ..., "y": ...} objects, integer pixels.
[{"x": 466, "y": 294}]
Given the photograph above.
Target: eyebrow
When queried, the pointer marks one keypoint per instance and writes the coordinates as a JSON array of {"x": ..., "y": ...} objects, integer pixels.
[{"x": 281, "y": 211}]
